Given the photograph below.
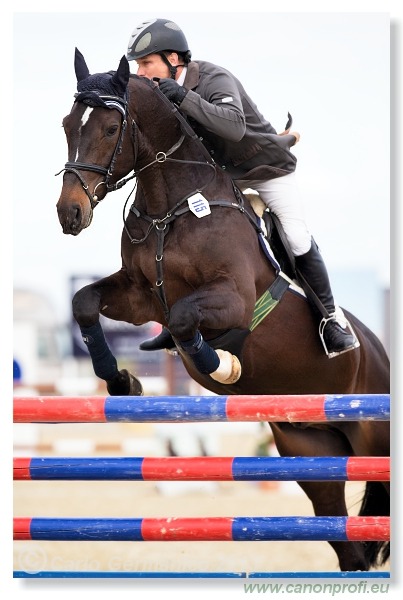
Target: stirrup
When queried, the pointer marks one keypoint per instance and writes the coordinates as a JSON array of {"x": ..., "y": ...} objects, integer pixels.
[{"x": 339, "y": 317}]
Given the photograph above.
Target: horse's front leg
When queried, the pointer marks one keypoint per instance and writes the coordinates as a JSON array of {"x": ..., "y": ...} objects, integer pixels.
[
  {"x": 109, "y": 296},
  {"x": 215, "y": 306}
]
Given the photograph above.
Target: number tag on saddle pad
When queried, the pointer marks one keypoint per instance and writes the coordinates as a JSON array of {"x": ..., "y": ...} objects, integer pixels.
[{"x": 199, "y": 205}]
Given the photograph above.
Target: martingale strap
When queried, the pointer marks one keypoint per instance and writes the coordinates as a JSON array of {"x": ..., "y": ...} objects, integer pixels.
[
  {"x": 161, "y": 228},
  {"x": 264, "y": 305}
]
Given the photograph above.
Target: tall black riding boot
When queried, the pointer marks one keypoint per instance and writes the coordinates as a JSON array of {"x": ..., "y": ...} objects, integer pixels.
[
  {"x": 335, "y": 332},
  {"x": 163, "y": 341}
]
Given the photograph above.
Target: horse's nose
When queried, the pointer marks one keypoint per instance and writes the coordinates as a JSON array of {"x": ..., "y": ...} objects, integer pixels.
[{"x": 70, "y": 218}]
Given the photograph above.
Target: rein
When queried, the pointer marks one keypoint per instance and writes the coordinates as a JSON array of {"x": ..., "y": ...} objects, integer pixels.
[
  {"x": 161, "y": 225},
  {"x": 160, "y": 157}
]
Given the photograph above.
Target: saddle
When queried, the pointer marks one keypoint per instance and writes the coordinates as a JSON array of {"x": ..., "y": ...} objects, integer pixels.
[
  {"x": 278, "y": 242},
  {"x": 275, "y": 235}
]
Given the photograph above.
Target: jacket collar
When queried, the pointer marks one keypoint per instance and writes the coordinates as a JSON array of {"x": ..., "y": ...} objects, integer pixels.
[{"x": 192, "y": 76}]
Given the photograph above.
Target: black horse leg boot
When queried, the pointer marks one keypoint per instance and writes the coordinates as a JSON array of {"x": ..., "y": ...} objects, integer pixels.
[
  {"x": 335, "y": 331},
  {"x": 163, "y": 341}
]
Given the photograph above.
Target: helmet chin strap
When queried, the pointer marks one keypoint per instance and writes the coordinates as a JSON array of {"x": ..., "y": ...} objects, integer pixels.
[{"x": 172, "y": 69}]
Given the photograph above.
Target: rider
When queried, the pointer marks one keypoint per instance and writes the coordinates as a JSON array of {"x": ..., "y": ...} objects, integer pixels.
[{"x": 244, "y": 144}]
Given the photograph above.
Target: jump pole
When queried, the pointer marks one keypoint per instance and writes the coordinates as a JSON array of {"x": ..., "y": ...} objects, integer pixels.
[
  {"x": 343, "y": 529},
  {"x": 209, "y": 468},
  {"x": 191, "y": 409},
  {"x": 316, "y": 408}
]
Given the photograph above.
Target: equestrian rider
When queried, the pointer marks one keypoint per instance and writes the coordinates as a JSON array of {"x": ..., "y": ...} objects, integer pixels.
[{"x": 245, "y": 145}]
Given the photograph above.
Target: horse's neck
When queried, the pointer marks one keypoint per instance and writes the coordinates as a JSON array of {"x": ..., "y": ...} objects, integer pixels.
[
  {"x": 154, "y": 197},
  {"x": 165, "y": 184}
]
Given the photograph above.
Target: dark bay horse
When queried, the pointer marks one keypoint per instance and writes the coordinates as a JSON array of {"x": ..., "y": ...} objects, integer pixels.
[{"x": 201, "y": 278}]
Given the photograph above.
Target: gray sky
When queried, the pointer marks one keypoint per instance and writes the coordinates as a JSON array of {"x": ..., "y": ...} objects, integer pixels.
[{"x": 331, "y": 71}]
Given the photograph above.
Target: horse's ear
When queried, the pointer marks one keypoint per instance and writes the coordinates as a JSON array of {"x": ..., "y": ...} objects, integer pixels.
[
  {"x": 80, "y": 66},
  {"x": 121, "y": 78}
]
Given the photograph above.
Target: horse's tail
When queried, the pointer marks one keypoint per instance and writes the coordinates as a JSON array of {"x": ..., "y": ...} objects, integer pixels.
[{"x": 376, "y": 503}]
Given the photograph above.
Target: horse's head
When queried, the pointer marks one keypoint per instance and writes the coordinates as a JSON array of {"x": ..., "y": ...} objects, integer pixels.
[
  {"x": 95, "y": 136},
  {"x": 102, "y": 150}
]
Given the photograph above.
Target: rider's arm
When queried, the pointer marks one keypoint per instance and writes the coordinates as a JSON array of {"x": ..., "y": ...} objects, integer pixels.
[{"x": 220, "y": 109}]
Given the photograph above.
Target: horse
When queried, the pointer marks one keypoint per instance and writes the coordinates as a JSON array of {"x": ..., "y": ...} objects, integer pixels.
[{"x": 201, "y": 275}]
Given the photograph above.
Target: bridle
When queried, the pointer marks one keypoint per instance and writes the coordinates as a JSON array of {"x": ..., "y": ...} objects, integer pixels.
[
  {"x": 121, "y": 104},
  {"x": 76, "y": 167}
]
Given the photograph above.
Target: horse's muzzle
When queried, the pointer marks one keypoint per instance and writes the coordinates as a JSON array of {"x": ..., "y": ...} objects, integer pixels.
[{"x": 73, "y": 218}]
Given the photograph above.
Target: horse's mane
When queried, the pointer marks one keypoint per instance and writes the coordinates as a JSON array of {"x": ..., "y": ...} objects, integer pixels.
[{"x": 145, "y": 80}]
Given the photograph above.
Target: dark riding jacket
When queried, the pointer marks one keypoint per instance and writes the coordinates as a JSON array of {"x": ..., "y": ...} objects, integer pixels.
[{"x": 237, "y": 135}]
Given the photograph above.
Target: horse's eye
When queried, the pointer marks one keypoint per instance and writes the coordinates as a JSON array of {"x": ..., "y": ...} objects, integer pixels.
[{"x": 111, "y": 130}]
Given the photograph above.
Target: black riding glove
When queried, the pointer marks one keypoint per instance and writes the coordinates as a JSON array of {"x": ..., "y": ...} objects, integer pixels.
[{"x": 172, "y": 90}]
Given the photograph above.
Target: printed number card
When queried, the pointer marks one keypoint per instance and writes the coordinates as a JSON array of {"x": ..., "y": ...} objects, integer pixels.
[{"x": 199, "y": 205}]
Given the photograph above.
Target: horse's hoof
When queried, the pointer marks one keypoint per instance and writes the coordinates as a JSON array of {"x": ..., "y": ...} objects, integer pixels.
[
  {"x": 124, "y": 384},
  {"x": 229, "y": 370},
  {"x": 136, "y": 389}
]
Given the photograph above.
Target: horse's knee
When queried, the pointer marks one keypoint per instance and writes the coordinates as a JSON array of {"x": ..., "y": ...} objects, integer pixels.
[
  {"x": 86, "y": 306},
  {"x": 184, "y": 320}
]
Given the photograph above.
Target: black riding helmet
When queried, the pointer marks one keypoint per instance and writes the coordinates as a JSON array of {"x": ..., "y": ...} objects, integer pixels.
[{"x": 156, "y": 37}]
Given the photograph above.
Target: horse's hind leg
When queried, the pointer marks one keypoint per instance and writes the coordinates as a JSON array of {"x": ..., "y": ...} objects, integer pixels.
[
  {"x": 327, "y": 497},
  {"x": 88, "y": 303}
]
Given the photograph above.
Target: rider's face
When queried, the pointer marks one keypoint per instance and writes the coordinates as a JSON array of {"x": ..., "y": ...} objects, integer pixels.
[{"x": 153, "y": 66}]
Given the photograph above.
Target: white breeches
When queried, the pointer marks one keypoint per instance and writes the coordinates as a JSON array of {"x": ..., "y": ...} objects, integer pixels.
[{"x": 282, "y": 197}]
